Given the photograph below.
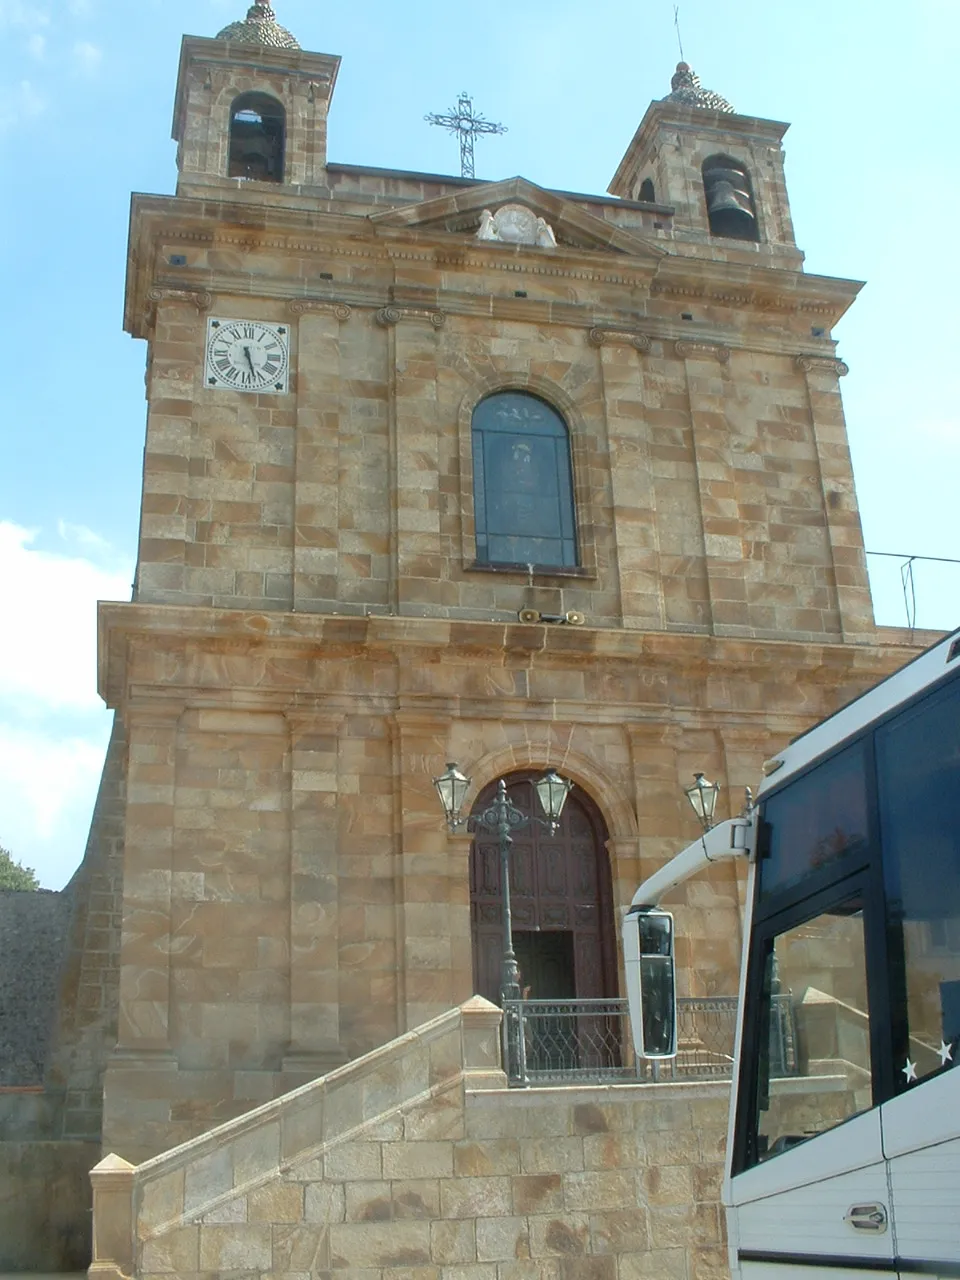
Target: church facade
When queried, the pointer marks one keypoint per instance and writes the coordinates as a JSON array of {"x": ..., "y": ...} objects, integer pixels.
[{"x": 441, "y": 470}]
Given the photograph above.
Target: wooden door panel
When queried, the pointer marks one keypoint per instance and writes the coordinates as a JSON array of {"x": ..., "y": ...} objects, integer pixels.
[{"x": 559, "y": 884}]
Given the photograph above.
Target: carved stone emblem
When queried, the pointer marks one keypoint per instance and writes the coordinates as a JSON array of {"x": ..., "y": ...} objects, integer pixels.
[{"x": 516, "y": 224}]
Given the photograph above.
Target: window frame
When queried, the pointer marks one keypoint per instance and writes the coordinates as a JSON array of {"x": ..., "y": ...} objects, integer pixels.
[{"x": 583, "y": 514}]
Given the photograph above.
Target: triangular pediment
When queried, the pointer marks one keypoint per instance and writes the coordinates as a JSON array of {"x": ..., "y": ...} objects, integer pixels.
[{"x": 462, "y": 213}]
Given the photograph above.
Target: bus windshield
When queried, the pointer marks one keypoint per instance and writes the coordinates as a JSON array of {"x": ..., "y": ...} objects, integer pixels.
[{"x": 853, "y": 988}]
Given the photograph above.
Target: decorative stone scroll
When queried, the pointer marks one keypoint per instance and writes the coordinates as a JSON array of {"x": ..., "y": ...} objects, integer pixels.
[
  {"x": 201, "y": 298},
  {"x": 691, "y": 350},
  {"x": 393, "y": 315},
  {"x": 806, "y": 363},
  {"x": 601, "y": 334},
  {"x": 516, "y": 224},
  {"x": 300, "y": 306}
]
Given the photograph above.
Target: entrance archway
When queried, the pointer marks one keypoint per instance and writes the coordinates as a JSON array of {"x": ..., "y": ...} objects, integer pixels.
[{"x": 561, "y": 898}]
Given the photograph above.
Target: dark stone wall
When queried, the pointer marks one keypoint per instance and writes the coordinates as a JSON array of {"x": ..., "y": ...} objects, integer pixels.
[
  {"x": 45, "y": 1203},
  {"x": 33, "y": 934}
]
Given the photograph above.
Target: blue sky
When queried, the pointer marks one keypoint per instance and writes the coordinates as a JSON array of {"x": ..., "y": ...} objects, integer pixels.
[{"x": 86, "y": 89}]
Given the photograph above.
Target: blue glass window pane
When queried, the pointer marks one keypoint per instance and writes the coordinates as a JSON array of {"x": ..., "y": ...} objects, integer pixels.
[{"x": 523, "y": 492}]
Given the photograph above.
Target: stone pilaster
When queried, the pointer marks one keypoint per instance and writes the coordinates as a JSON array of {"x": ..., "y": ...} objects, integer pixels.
[
  {"x": 705, "y": 366},
  {"x": 415, "y": 461},
  {"x": 144, "y": 1065},
  {"x": 317, "y": 466},
  {"x": 144, "y": 1020},
  {"x": 314, "y": 1045},
  {"x": 621, "y": 355},
  {"x": 840, "y": 511},
  {"x": 433, "y": 886}
]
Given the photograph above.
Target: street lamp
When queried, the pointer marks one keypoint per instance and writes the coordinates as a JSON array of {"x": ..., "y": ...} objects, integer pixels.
[
  {"x": 703, "y": 799},
  {"x": 501, "y": 817}
]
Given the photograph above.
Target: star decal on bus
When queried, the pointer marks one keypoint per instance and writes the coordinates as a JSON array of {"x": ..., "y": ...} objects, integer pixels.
[
  {"x": 946, "y": 1053},
  {"x": 910, "y": 1071}
]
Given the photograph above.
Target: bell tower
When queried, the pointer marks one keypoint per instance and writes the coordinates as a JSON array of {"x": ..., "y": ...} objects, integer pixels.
[
  {"x": 721, "y": 171},
  {"x": 251, "y": 110}
]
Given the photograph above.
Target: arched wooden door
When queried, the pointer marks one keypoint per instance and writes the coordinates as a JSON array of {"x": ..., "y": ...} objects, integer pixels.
[{"x": 561, "y": 898}]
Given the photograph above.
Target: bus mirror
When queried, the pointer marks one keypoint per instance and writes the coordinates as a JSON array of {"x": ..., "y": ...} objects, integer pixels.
[{"x": 651, "y": 981}]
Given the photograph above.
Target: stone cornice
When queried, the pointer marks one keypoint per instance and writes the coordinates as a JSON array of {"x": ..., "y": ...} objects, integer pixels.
[
  {"x": 328, "y": 236},
  {"x": 440, "y": 306},
  {"x": 290, "y": 635}
]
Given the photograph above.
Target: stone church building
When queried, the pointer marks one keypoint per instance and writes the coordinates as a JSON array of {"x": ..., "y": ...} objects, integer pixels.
[{"x": 438, "y": 469}]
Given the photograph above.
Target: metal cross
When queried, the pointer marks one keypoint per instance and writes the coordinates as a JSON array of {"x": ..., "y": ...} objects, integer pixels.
[{"x": 468, "y": 124}]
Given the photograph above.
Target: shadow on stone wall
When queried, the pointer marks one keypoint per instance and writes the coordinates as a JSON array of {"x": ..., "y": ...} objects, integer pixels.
[{"x": 45, "y": 1203}]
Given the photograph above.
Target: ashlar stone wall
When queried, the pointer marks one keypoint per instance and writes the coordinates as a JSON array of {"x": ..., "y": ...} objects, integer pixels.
[{"x": 416, "y": 1163}]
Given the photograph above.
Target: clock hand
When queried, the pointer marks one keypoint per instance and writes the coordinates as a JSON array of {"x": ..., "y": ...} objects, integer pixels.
[{"x": 246, "y": 352}]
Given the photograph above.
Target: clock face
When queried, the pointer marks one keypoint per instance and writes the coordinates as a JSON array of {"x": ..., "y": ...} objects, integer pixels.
[{"x": 247, "y": 355}]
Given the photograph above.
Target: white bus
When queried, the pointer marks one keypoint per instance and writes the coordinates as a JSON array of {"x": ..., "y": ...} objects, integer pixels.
[{"x": 843, "y": 1153}]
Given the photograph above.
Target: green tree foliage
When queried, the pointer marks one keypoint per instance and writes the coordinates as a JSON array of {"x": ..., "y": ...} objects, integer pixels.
[{"x": 15, "y": 876}]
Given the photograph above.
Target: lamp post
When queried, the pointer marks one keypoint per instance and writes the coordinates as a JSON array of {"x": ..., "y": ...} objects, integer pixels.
[
  {"x": 703, "y": 799},
  {"x": 501, "y": 817}
]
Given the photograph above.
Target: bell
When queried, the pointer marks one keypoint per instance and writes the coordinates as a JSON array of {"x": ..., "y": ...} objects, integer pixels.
[
  {"x": 724, "y": 196},
  {"x": 730, "y": 207}
]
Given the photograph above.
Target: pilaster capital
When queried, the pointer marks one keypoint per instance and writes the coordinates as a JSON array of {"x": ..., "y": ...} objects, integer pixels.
[
  {"x": 202, "y": 299},
  {"x": 333, "y": 306},
  {"x": 600, "y": 335},
  {"x": 154, "y": 715},
  {"x": 422, "y": 721},
  {"x": 392, "y": 315},
  {"x": 701, "y": 350},
  {"x": 302, "y": 723},
  {"x": 642, "y": 733},
  {"x": 807, "y": 363}
]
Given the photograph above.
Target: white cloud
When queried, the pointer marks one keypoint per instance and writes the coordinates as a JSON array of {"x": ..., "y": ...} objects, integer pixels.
[
  {"x": 53, "y": 726},
  {"x": 83, "y": 537},
  {"x": 48, "y": 640},
  {"x": 87, "y": 57},
  {"x": 25, "y": 104},
  {"x": 37, "y": 45},
  {"x": 48, "y": 786},
  {"x": 80, "y": 8},
  {"x": 22, "y": 17}
]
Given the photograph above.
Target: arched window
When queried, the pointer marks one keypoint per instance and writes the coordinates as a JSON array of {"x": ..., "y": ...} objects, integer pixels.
[
  {"x": 729, "y": 195},
  {"x": 257, "y": 132},
  {"x": 523, "y": 488},
  {"x": 647, "y": 191}
]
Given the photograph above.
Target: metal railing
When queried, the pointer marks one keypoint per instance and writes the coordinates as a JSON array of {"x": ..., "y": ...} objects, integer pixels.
[
  {"x": 928, "y": 584},
  {"x": 566, "y": 1041}
]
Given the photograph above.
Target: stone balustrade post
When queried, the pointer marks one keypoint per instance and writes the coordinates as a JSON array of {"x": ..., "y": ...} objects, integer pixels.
[
  {"x": 482, "y": 1061},
  {"x": 113, "y": 1249}
]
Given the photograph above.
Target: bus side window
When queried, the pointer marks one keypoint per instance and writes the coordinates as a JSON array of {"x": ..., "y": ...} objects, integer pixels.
[
  {"x": 918, "y": 763},
  {"x": 814, "y": 1065},
  {"x": 815, "y": 821}
]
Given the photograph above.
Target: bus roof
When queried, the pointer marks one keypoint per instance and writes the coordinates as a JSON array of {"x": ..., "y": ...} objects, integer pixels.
[{"x": 911, "y": 680}]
